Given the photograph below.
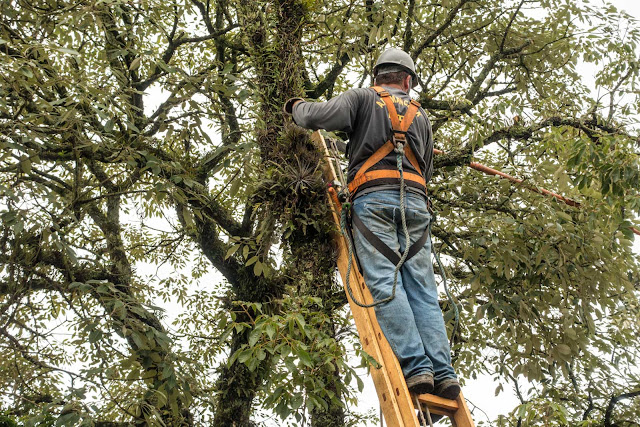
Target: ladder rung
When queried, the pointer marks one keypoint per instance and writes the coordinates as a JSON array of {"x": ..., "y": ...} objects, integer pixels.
[
  {"x": 456, "y": 410},
  {"x": 438, "y": 405}
]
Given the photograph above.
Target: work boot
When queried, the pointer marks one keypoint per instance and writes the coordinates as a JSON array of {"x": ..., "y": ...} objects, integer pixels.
[
  {"x": 420, "y": 384},
  {"x": 448, "y": 388}
]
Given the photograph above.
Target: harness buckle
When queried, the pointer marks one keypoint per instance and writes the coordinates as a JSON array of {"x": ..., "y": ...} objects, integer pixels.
[
  {"x": 399, "y": 139},
  {"x": 398, "y": 143},
  {"x": 400, "y": 135}
]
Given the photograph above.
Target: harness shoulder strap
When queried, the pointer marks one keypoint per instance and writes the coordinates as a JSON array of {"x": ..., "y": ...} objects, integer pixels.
[
  {"x": 410, "y": 114},
  {"x": 408, "y": 152},
  {"x": 399, "y": 128},
  {"x": 393, "y": 113},
  {"x": 406, "y": 122}
]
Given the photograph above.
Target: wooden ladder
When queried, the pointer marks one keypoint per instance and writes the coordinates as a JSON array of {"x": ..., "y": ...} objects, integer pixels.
[{"x": 395, "y": 400}]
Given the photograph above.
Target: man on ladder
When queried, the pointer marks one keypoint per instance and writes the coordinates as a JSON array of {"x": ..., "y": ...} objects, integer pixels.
[{"x": 390, "y": 153}]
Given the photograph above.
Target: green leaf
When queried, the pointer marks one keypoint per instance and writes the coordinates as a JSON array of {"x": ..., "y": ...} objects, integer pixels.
[
  {"x": 261, "y": 354},
  {"x": 68, "y": 419},
  {"x": 257, "y": 268},
  {"x": 68, "y": 51},
  {"x": 564, "y": 349},
  {"x": 95, "y": 335},
  {"x": 235, "y": 186},
  {"x": 25, "y": 165},
  {"x": 296, "y": 401},
  {"x": 26, "y": 72},
  {"x": 167, "y": 371},
  {"x": 244, "y": 355},
  {"x": 232, "y": 250},
  {"x": 139, "y": 341},
  {"x": 304, "y": 357},
  {"x": 188, "y": 217},
  {"x": 271, "y": 330},
  {"x": 254, "y": 336},
  {"x": 135, "y": 64}
]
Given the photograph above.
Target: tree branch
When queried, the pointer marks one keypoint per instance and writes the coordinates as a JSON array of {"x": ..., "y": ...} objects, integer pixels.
[
  {"x": 171, "y": 49},
  {"x": 612, "y": 403},
  {"x": 445, "y": 24}
]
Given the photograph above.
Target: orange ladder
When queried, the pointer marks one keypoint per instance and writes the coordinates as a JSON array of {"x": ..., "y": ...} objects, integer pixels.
[{"x": 395, "y": 400}]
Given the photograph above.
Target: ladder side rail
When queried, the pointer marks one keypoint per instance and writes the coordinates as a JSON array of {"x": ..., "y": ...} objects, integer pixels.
[
  {"x": 462, "y": 417},
  {"x": 394, "y": 397}
]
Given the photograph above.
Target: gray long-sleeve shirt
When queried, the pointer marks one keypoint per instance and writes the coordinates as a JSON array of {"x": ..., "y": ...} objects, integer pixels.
[{"x": 362, "y": 114}]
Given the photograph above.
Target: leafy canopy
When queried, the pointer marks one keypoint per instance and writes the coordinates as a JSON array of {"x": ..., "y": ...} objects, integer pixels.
[{"x": 166, "y": 251}]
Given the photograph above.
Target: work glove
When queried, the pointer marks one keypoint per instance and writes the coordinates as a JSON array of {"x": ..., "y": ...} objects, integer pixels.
[{"x": 288, "y": 106}]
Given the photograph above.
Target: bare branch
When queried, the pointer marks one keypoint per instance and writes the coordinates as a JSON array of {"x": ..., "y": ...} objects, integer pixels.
[{"x": 445, "y": 24}]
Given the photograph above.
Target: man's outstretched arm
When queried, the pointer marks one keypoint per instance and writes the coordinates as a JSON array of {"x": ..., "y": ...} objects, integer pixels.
[{"x": 337, "y": 114}]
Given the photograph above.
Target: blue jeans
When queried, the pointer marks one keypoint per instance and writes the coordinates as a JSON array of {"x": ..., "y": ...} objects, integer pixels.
[{"x": 412, "y": 322}]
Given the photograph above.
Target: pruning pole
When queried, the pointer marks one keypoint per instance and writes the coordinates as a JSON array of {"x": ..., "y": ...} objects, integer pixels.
[{"x": 490, "y": 171}]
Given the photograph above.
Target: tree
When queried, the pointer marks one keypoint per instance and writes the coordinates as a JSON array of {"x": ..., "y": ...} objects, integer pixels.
[{"x": 149, "y": 134}]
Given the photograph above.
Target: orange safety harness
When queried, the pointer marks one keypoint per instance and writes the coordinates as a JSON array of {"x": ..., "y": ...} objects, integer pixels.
[{"x": 365, "y": 177}]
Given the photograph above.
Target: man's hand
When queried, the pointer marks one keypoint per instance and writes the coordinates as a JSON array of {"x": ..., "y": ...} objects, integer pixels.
[{"x": 290, "y": 104}]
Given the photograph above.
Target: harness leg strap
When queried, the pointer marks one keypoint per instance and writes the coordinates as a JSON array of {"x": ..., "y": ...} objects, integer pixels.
[{"x": 382, "y": 247}]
